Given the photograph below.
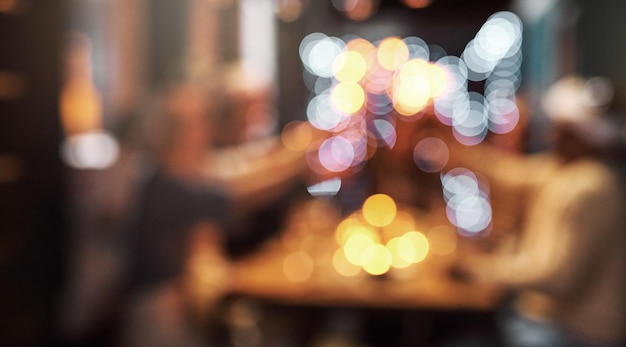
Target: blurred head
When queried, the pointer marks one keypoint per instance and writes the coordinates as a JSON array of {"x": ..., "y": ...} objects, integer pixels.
[
  {"x": 182, "y": 123},
  {"x": 247, "y": 106},
  {"x": 583, "y": 114}
]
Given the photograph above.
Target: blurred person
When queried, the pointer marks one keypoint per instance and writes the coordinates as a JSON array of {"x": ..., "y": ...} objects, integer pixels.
[
  {"x": 247, "y": 111},
  {"x": 189, "y": 203},
  {"x": 566, "y": 269},
  {"x": 247, "y": 133},
  {"x": 168, "y": 207}
]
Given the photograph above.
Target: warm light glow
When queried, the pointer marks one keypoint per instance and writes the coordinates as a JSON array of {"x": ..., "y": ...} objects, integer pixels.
[
  {"x": 359, "y": 10},
  {"x": 288, "y": 10},
  {"x": 317, "y": 247},
  {"x": 416, "y": 3},
  {"x": 415, "y": 248},
  {"x": 348, "y": 97},
  {"x": 376, "y": 259},
  {"x": 349, "y": 66},
  {"x": 416, "y": 83},
  {"x": 379, "y": 210},
  {"x": 81, "y": 107},
  {"x": 397, "y": 246},
  {"x": 350, "y": 226},
  {"x": 343, "y": 266},
  {"x": 355, "y": 246},
  {"x": 438, "y": 78},
  {"x": 415, "y": 69},
  {"x": 7, "y": 6},
  {"x": 402, "y": 223},
  {"x": 413, "y": 87},
  {"x": 296, "y": 136},
  {"x": 377, "y": 249},
  {"x": 365, "y": 49},
  {"x": 442, "y": 240},
  {"x": 298, "y": 266},
  {"x": 392, "y": 53},
  {"x": 370, "y": 86},
  {"x": 80, "y": 101}
]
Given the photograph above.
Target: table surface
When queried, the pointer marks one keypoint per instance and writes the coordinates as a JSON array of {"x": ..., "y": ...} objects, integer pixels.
[{"x": 424, "y": 285}]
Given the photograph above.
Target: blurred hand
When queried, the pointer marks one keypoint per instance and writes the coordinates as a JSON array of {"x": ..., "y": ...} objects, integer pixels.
[{"x": 471, "y": 268}]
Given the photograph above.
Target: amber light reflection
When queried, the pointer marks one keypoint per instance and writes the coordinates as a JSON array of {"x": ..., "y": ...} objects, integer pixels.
[
  {"x": 378, "y": 237},
  {"x": 373, "y": 240}
]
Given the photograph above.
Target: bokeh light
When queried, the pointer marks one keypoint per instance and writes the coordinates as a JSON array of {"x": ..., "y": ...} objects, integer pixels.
[
  {"x": 93, "y": 150},
  {"x": 412, "y": 88},
  {"x": 397, "y": 246},
  {"x": 353, "y": 225},
  {"x": 355, "y": 246},
  {"x": 361, "y": 89},
  {"x": 379, "y": 210},
  {"x": 318, "y": 52},
  {"x": 500, "y": 37},
  {"x": 402, "y": 223},
  {"x": 417, "y": 3},
  {"x": 343, "y": 266},
  {"x": 358, "y": 10},
  {"x": 377, "y": 249},
  {"x": 376, "y": 259},
  {"x": 431, "y": 154},
  {"x": 288, "y": 10},
  {"x": 468, "y": 206},
  {"x": 364, "y": 48},
  {"x": 415, "y": 247},
  {"x": 349, "y": 66},
  {"x": 298, "y": 266},
  {"x": 322, "y": 115},
  {"x": 470, "y": 119},
  {"x": 348, "y": 97},
  {"x": 392, "y": 53},
  {"x": 336, "y": 154}
]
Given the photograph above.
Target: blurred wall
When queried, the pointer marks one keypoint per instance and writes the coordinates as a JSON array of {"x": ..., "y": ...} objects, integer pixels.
[
  {"x": 31, "y": 174},
  {"x": 601, "y": 33}
]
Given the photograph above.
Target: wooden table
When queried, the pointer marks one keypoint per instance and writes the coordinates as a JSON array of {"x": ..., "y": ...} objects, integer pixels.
[
  {"x": 425, "y": 285},
  {"x": 261, "y": 276}
]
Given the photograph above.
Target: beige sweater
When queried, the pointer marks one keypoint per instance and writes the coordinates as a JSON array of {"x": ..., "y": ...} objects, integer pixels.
[{"x": 570, "y": 263}]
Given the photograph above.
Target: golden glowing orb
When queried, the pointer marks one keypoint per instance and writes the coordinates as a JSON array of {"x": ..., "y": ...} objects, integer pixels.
[
  {"x": 349, "y": 66},
  {"x": 392, "y": 53},
  {"x": 355, "y": 247},
  {"x": 343, "y": 266},
  {"x": 379, "y": 210},
  {"x": 420, "y": 246},
  {"x": 376, "y": 259},
  {"x": 348, "y": 97},
  {"x": 397, "y": 246}
]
